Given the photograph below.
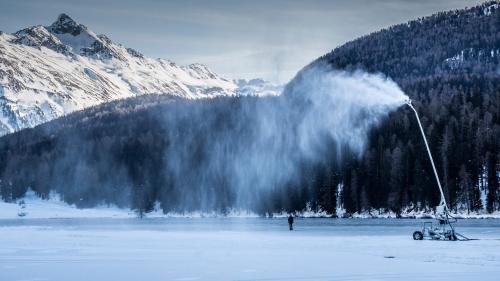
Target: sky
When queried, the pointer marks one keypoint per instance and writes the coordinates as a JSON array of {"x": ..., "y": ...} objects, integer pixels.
[{"x": 270, "y": 39}]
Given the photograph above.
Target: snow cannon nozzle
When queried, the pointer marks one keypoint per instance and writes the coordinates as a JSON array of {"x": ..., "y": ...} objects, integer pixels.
[{"x": 408, "y": 101}]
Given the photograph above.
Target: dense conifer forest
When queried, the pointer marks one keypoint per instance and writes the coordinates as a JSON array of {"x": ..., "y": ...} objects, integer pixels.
[
  {"x": 449, "y": 64},
  {"x": 120, "y": 152}
]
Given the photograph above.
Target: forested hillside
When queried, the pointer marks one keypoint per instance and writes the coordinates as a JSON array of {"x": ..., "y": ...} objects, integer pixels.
[
  {"x": 448, "y": 64},
  {"x": 126, "y": 152}
]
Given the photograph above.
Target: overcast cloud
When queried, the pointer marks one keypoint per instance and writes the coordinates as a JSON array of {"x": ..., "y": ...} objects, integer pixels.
[{"x": 270, "y": 39}]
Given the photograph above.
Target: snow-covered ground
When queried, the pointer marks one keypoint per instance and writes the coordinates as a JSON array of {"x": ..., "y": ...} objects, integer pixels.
[
  {"x": 242, "y": 249},
  {"x": 33, "y": 207}
]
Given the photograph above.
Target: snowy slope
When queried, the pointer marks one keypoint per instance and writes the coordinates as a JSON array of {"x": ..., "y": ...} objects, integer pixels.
[
  {"x": 47, "y": 71},
  {"x": 33, "y": 207}
]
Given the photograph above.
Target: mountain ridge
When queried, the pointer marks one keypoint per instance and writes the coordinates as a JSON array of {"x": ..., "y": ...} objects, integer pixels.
[{"x": 49, "y": 71}]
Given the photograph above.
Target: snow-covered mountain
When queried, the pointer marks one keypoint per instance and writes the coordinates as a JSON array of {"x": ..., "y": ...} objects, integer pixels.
[
  {"x": 48, "y": 71},
  {"x": 258, "y": 87}
]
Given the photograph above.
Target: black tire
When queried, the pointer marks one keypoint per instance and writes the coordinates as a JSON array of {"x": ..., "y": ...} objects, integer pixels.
[{"x": 418, "y": 235}]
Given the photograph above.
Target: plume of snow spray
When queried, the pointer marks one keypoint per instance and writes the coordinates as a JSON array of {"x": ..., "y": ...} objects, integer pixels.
[
  {"x": 251, "y": 146},
  {"x": 342, "y": 105}
]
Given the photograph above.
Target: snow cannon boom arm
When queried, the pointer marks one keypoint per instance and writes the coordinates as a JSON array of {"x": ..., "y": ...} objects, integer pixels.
[{"x": 442, "y": 209}]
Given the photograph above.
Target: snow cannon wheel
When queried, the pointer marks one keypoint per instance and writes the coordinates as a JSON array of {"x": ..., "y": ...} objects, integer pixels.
[
  {"x": 453, "y": 237},
  {"x": 418, "y": 235}
]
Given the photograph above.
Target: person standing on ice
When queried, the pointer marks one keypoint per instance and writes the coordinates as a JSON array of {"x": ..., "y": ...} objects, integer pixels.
[{"x": 290, "y": 222}]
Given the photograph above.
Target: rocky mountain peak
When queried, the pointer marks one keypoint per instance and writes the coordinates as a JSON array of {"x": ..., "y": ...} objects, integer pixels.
[
  {"x": 83, "y": 41},
  {"x": 38, "y": 36},
  {"x": 65, "y": 24},
  {"x": 68, "y": 37}
]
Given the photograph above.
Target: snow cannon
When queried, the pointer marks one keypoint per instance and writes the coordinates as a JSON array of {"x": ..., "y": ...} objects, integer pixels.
[{"x": 444, "y": 230}]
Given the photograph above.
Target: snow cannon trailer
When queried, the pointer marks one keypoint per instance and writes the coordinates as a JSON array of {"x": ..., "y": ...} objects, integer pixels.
[
  {"x": 444, "y": 229},
  {"x": 440, "y": 232}
]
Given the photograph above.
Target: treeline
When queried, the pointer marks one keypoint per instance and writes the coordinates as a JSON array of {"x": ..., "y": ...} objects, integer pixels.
[
  {"x": 118, "y": 153},
  {"x": 449, "y": 64},
  {"x": 187, "y": 155},
  {"x": 463, "y": 130}
]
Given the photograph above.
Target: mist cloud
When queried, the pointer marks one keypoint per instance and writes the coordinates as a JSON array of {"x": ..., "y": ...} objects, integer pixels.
[{"x": 257, "y": 145}]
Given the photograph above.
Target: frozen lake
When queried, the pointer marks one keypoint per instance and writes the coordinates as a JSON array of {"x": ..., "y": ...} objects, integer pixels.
[{"x": 242, "y": 249}]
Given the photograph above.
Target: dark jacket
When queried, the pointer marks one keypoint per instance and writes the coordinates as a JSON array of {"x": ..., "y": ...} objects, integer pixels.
[{"x": 290, "y": 220}]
